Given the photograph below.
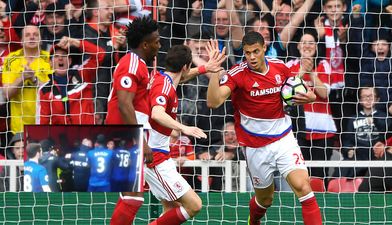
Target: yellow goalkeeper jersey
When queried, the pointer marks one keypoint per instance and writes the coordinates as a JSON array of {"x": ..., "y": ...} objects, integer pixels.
[{"x": 23, "y": 104}]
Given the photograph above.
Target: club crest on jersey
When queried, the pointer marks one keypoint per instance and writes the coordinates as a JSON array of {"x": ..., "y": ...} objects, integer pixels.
[
  {"x": 161, "y": 100},
  {"x": 278, "y": 79},
  {"x": 224, "y": 79},
  {"x": 126, "y": 82}
]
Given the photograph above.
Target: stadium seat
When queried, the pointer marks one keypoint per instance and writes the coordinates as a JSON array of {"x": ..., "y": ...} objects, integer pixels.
[
  {"x": 317, "y": 184},
  {"x": 344, "y": 185}
]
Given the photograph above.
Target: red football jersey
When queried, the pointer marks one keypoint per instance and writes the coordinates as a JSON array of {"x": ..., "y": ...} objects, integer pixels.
[
  {"x": 258, "y": 108},
  {"x": 131, "y": 74},
  {"x": 162, "y": 93},
  {"x": 318, "y": 116}
]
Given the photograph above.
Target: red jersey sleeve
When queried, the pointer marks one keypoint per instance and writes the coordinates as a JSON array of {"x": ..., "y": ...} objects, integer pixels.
[
  {"x": 124, "y": 80},
  {"x": 230, "y": 78},
  {"x": 159, "y": 93}
]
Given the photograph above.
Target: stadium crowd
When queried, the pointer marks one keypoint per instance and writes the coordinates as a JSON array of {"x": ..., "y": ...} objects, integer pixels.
[{"x": 58, "y": 58}]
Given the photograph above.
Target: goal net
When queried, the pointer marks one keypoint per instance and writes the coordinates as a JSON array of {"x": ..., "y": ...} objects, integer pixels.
[{"x": 344, "y": 56}]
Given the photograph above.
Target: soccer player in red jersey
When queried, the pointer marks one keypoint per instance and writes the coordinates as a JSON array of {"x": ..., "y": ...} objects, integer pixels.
[
  {"x": 165, "y": 182},
  {"x": 262, "y": 127},
  {"x": 128, "y": 100}
]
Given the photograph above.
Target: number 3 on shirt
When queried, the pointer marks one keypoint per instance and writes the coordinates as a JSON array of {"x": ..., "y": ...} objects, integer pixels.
[{"x": 101, "y": 164}]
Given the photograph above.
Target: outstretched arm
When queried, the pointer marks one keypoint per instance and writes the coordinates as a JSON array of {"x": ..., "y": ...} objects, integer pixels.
[
  {"x": 158, "y": 113},
  {"x": 289, "y": 30}
]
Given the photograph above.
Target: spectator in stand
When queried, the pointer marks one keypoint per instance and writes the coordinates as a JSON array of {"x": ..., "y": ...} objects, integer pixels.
[
  {"x": 379, "y": 179},
  {"x": 228, "y": 30},
  {"x": 4, "y": 112},
  {"x": 364, "y": 131},
  {"x": 127, "y": 10},
  {"x": 99, "y": 30},
  {"x": 193, "y": 99},
  {"x": 227, "y": 149},
  {"x": 285, "y": 31},
  {"x": 172, "y": 30},
  {"x": 332, "y": 30},
  {"x": 17, "y": 149},
  {"x": 182, "y": 150},
  {"x": 68, "y": 96},
  {"x": 370, "y": 57},
  {"x": 194, "y": 22},
  {"x": 51, "y": 160},
  {"x": 319, "y": 127},
  {"x": 57, "y": 26},
  {"x": 23, "y": 72},
  {"x": 240, "y": 7}
]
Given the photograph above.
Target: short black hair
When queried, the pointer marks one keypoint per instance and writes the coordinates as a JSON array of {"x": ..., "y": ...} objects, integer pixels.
[
  {"x": 101, "y": 139},
  {"x": 139, "y": 30},
  {"x": 312, "y": 32},
  {"x": 252, "y": 38},
  {"x": 177, "y": 57},
  {"x": 32, "y": 149}
]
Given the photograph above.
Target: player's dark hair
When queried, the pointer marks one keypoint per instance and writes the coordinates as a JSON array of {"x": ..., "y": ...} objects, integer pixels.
[
  {"x": 252, "y": 38},
  {"x": 32, "y": 149},
  {"x": 101, "y": 139},
  {"x": 177, "y": 57},
  {"x": 326, "y": 1},
  {"x": 139, "y": 30}
]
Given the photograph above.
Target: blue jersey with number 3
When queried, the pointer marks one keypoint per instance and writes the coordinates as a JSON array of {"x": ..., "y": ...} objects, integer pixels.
[
  {"x": 35, "y": 176},
  {"x": 99, "y": 160}
]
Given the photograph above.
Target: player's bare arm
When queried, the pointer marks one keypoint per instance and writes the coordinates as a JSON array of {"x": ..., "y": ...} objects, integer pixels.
[
  {"x": 158, "y": 113},
  {"x": 216, "y": 58},
  {"x": 127, "y": 110}
]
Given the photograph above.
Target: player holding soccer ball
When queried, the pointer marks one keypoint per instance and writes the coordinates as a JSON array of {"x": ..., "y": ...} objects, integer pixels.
[{"x": 263, "y": 128}]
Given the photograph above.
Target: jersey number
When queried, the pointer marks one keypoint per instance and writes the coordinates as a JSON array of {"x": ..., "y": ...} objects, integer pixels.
[
  {"x": 101, "y": 165},
  {"x": 299, "y": 159},
  {"x": 124, "y": 160},
  {"x": 27, "y": 183}
]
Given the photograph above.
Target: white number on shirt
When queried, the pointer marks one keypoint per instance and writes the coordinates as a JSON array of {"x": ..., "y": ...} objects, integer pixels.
[
  {"x": 124, "y": 161},
  {"x": 101, "y": 165},
  {"x": 27, "y": 183}
]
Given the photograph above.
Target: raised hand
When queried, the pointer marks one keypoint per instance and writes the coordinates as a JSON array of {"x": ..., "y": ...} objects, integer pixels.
[
  {"x": 66, "y": 42},
  {"x": 216, "y": 57},
  {"x": 319, "y": 25}
]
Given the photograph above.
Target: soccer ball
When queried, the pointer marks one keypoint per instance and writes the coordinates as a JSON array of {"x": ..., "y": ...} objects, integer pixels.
[{"x": 290, "y": 87}]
